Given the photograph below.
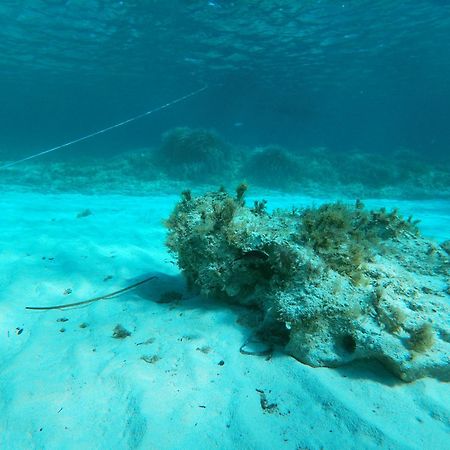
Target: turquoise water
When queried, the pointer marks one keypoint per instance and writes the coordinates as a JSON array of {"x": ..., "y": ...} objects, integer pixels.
[
  {"x": 110, "y": 109},
  {"x": 366, "y": 75}
]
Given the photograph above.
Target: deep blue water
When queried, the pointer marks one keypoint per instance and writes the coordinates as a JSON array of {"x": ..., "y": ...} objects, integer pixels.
[{"x": 368, "y": 75}]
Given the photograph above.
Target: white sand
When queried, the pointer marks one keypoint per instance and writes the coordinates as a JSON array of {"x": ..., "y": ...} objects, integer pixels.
[{"x": 83, "y": 389}]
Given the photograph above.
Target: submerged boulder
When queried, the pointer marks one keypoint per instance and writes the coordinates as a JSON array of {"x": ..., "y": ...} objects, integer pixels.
[
  {"x": 344, "y": 283},
  {"x": 194, "y": 154}
]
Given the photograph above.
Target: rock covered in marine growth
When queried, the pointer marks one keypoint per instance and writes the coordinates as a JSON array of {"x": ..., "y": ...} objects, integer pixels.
[{"x": 344, "y": 283}]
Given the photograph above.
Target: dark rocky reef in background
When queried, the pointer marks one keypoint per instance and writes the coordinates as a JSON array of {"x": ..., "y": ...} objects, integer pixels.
[
  {"x": 193, "y": 154},
  {"x": 199, "y": 157}
]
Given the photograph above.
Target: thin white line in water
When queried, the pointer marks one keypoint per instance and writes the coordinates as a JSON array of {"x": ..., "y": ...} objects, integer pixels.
[{"x": 104, "y": 130}]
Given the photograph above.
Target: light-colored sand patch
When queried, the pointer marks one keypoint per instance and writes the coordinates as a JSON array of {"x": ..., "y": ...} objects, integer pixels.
[{"x": 81, "y": 388}]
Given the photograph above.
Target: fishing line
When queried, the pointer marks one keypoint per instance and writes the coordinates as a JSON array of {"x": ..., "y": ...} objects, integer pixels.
[
  {"x": 92, "y": 300},
  {"x": 104, "y": 130}
]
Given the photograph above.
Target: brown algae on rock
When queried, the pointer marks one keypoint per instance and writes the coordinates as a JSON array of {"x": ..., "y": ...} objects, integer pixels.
[
  {"x": 422, "y": 338},
  {"x": 343, "y": 282},
  {"x": 120, "y": 332}
]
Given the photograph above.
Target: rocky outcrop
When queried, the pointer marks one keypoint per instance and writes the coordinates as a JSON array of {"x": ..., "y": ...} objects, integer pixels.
[{"x": 342, "y": 282}]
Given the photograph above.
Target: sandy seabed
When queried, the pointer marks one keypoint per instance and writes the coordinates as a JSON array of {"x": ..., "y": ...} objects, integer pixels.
[{"x": 179, "y": 380}]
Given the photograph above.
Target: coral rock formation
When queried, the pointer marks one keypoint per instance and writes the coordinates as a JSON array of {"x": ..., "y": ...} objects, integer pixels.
[{"x": 343, "y": 283}]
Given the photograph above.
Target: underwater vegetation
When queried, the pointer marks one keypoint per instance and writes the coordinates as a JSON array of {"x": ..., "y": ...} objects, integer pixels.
[
  {"x": 194, "y": 154},
  {"x": 138, "y": 164},
  {"x": 272, "y": 166},
  {"x": 200, "y": 156},
  {"x": 339, "y": 283},
  {"x": 348, "y": 237}
]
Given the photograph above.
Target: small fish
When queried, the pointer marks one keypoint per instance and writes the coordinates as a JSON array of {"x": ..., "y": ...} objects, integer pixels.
[{"x": 252, "y": 255}]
